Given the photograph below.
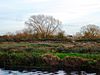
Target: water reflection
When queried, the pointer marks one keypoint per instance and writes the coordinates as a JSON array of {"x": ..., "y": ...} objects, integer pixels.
[{"x": 35, "y": 72}]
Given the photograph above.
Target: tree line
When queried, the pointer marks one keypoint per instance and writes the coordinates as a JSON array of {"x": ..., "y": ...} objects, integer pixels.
[{"x": 43, "y": 27}]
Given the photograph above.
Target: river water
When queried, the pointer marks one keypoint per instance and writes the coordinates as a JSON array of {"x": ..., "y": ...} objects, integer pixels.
[{"x": 39, "y": 72}]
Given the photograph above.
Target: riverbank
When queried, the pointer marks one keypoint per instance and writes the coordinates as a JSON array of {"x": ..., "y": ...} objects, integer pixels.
[{"x": 25, "y": 55}]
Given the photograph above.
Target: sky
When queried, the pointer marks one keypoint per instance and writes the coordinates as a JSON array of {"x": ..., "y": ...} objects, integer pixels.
[{"x": 73, "y": 13}]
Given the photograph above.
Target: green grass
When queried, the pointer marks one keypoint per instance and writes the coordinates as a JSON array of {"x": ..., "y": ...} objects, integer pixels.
[
  {"x": 88, "y": 56},
  {"x": 43, "y": 48}
]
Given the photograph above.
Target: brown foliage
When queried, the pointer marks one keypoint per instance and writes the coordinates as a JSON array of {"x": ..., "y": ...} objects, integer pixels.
[
  {"x": 90, "y": 31},
  {"x": 51, "y": 60},
  {"x": 73, "y": 62}
]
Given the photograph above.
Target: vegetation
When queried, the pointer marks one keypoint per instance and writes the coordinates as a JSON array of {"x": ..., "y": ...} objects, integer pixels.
[
  {"x": 87, "y": 56},
  {"x": 44, "y": 44},
  {"x": 44, "y": 55},
  {"x": 43, "y": 26},
  {"x": 89, "y": 33}
]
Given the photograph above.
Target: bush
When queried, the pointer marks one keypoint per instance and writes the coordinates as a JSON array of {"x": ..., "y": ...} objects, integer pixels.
[
  {"x": 24, "y": 60},
  {"x": 51, "y": 60},
  {"x": 73, "y": 62}
]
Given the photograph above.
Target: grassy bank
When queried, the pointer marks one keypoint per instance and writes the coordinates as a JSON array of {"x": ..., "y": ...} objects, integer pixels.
[
  {"x": 32, "y": 55},
  {"x": 83, "y": 55}
]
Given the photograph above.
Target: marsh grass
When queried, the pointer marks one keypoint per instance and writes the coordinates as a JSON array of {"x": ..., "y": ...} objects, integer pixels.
[
  {"x": 33, "y": 54},
  {"x": 88, "y": 56}
]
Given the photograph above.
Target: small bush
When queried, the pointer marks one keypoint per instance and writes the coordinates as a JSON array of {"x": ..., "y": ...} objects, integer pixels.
[
  {"x": 50, "y": 59},
  {"x": 73, "y": 62}
]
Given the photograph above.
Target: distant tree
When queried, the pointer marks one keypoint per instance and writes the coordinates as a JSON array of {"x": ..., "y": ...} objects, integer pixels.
[
  {"x": 61, "y": 34},
  {"x": 90, "y": 31},
  {"x": 78, "y": 35},
  {"x": 27, "y": 31},
  {"x": 9, "y": 34},
  {"x": 43, "y": 26}
]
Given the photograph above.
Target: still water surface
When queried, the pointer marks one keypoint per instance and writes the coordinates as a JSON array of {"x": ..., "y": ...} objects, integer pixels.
[{"x": 36, "y": 72}]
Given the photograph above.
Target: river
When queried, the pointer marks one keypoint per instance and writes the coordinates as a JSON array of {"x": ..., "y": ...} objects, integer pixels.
[{"x": 39, "y": 72}]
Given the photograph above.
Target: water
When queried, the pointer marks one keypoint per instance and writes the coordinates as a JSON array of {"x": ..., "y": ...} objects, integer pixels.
[{"x": 35, "y": 72}]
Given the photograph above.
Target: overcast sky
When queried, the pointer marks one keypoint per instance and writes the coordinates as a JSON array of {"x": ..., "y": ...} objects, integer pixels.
[{"x": 73, "y": 13}]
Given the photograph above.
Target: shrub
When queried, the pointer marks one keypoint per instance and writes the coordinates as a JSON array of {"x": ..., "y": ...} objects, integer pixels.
[
  {"x": 73, "y": 62},
  {"x": 51, "y": 60}
]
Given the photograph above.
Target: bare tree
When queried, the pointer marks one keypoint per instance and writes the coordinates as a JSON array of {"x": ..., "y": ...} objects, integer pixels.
[
  {"x": 90, "y": 31},
  {"x": 42, "y": 25},
  {"x": 78, "y": 35}
]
